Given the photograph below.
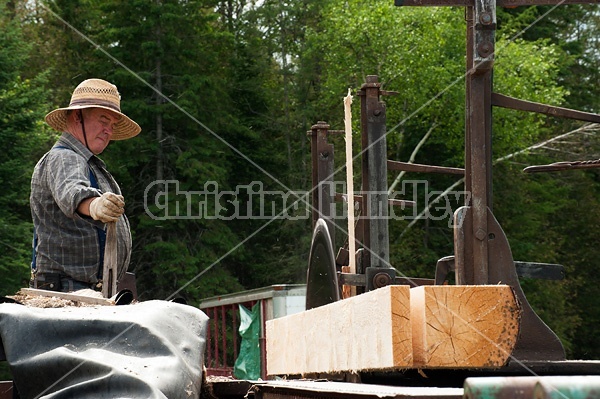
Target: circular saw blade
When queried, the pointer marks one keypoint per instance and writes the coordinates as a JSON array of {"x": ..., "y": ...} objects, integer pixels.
[{"x": 322, "y": 282}]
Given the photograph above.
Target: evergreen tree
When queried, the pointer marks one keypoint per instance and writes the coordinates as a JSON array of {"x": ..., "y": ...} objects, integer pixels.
[
  {"x": 177, "y": 97},
  {"x": 22, "y": 106}
]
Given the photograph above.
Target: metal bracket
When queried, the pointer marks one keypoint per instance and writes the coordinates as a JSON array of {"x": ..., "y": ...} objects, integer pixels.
[
  {"x": 485, "y": 32},
  {"x": 378, "y": 277}
]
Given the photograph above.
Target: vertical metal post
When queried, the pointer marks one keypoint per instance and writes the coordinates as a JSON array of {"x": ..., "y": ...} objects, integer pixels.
[
  {"x": 234, "y": 331},
  {"x": 216, "y": 336},
  {"x": 364, "y": 220},
  {"x": 478, "y": 166},
  {"x": 323, "y": 194},
  {"x": 223, "y": 336},
  {"x": 208, "y": 342},
  {"x": 374, "y": 186}
]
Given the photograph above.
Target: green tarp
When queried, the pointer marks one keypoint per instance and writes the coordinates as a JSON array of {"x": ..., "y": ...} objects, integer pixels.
[{"x": 247, "y": 365}]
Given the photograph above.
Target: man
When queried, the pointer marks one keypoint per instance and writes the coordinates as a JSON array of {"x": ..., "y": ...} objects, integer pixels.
[{"x": 74, "y": 197}]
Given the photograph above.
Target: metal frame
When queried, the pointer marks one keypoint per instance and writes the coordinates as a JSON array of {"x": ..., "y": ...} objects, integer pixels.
[{"x": 482, "y": 252}]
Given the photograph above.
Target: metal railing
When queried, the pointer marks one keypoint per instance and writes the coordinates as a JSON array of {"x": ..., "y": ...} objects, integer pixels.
[{"x": 223, "y": 339}]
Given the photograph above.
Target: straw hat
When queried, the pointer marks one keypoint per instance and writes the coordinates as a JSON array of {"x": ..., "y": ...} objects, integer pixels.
[{"x": 96, "y": 93}]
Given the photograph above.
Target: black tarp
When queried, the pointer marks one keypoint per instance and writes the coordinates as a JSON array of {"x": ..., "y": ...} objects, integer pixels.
[{"x": 152, "y": 349}]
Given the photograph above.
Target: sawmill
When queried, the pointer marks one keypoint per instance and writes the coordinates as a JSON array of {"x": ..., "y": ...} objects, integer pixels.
[
  {"x": 469, "y": 332},
  {"x": 364, "y": 329}
]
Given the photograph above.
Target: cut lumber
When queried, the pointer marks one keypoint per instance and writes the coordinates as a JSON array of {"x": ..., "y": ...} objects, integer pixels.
[
  {"x": 463, "y": 326},
  {"x": 371, "y": 331},
  {"x": 395, "y": 328}
]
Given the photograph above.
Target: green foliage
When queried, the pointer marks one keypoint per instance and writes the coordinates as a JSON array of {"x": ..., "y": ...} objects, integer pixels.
[
  {"x": 525, "y": 70},
  {"x": 402, "y": 47},
  {"x": 22, "y": 103}
]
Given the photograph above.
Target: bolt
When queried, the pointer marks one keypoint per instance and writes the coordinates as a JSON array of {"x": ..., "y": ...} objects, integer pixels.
[
  {"x": 485, "y": 18},
  {"x": 381, "y": 280},
  {"x": 484, "y": 49},
  {"x": 480, "y": 234}
]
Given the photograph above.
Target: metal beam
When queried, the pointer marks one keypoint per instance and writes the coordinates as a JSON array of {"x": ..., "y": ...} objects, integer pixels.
[
  {"x": 499, "y": 3},
  {"x": 342, "y": 197},
  {"x": 322, "y": 155},
  {"x": 419, "y": 168},
  {"x": 500, "y": 100},
  {"x": 560, "y": 166}
]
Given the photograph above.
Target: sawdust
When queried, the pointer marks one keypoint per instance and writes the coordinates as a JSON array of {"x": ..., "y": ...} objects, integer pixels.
[{"x": 37, "y": 301}]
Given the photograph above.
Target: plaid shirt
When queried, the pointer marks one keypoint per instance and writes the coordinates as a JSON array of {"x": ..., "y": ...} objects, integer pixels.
[{"x": 67, "y": 242}]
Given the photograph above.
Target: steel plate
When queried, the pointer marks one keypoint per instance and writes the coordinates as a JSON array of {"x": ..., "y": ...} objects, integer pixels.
[{"x": 321, "y": 282}]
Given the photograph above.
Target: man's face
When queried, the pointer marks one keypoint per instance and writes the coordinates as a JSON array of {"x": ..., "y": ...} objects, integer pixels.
[{"x": 99, "y": 126}]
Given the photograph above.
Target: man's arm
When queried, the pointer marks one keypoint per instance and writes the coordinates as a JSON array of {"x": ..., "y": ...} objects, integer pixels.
[
  {"x": 106, "y": 208},
  {"x": 84, "y": 206}
]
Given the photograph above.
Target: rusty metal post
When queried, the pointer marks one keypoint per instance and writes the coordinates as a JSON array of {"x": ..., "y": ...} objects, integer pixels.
[
  {"x": 216, "y": 337},
  {"x": 374, "y": 187},
  {"x": 234, "y": 331},
  {"x": 208, "y": 341},
  {"x": 478, "y": 166},
  {"x": 323, "y": 190},
  {"x": 223, "y": 336}
]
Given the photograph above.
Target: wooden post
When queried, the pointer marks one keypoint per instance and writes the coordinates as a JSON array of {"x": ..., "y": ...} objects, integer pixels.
[{"x": 348, "y": 291}]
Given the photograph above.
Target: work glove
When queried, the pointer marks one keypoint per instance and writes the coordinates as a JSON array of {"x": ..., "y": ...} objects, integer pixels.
[{"x": 107, "y": 208}]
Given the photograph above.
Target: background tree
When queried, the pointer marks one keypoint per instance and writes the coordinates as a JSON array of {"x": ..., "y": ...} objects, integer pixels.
[{"x": 22, "y": 137}]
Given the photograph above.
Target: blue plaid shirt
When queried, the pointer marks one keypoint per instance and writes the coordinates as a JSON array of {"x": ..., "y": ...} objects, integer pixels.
[{"x": 67, "y": 242}]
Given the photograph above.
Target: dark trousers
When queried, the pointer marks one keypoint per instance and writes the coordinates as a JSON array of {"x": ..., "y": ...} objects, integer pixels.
[{"x": 57, "y": 282}]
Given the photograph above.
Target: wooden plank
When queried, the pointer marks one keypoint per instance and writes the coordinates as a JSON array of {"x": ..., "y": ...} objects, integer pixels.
[
  {"x": 109, "y": 273},
  {"x": 371, "y": 331},
  {"x": 323, "y": 389},
  {"x": 67, "y": 295},
  {"x": 463, "y": 326}
]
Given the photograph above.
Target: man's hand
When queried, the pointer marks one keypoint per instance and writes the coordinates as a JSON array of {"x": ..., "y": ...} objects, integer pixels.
[{"x": 107, "y": 208}]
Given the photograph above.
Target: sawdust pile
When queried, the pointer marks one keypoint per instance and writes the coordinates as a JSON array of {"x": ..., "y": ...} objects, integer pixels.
[{"x": 38, "y": 301}]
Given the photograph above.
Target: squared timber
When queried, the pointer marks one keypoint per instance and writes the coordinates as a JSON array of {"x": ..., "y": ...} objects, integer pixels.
[{"x": 367, "y": 332}]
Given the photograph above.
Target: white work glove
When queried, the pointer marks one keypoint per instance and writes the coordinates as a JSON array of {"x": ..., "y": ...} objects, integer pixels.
[{"x": 107, "y": 208}]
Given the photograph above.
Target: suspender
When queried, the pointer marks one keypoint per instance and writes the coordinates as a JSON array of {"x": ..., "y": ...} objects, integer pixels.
[{"x": 100, "y": 232}]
